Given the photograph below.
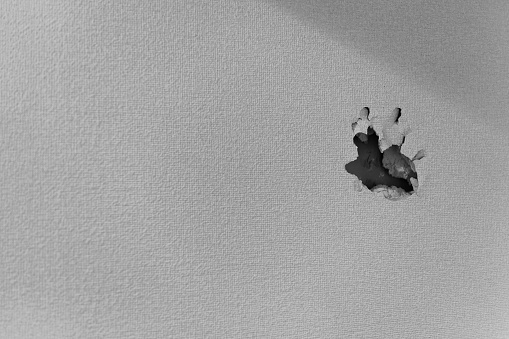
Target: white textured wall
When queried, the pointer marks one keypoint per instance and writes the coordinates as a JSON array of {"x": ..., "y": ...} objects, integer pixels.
[{"x": 176, "y": 169}]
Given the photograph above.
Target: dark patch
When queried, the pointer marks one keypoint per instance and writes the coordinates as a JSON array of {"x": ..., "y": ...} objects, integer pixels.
[
  {"x": 399, "y": 115},
  {"x": 369, "y": 165}
]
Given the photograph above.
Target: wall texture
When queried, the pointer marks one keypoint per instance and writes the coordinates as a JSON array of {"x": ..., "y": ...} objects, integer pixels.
[{"x": 175, "y": 169}]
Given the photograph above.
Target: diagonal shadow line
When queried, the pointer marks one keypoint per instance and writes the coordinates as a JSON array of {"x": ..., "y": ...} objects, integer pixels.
[{"x": 452, "y": 47}]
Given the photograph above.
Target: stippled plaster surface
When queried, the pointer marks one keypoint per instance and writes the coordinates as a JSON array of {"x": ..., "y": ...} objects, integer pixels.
[{"x": 176, "y": 170}]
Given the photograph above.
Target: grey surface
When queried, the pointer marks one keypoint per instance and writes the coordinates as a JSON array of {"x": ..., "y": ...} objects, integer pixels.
[
  {"x": 456, "y": 49},
  {"x": 175, "y": 169}
]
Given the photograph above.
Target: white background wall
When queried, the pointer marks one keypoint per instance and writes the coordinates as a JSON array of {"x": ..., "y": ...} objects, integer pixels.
[{"x": 176, "y": 169}]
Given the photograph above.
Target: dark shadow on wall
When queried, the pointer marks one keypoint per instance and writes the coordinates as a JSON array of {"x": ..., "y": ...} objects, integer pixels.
[{"x": 455, "y": 48}]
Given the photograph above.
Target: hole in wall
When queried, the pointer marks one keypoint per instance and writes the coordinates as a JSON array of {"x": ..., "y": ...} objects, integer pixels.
[{"x": 381, "y": 167}]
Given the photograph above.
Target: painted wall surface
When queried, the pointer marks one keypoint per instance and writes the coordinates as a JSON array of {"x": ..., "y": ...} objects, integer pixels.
[{"x": 175, "y": 169}]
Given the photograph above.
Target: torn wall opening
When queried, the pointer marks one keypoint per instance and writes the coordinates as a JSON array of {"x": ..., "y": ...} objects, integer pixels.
[{"x": 380, "y": 165}]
